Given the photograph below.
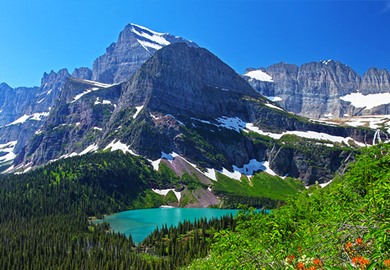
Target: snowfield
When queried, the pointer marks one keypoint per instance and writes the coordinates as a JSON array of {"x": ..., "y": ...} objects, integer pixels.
[
  {"x": 149, "y": 38},
  {"x": 370, "y": 101},
  {"x": 164, "y": 192},
  {"x": 25, "y": 117},
  {"x": 259, "y": 75}
]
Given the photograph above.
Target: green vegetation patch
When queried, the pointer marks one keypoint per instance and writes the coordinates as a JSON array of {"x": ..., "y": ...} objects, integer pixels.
[
  {"x": 262, "y": 190},
  {"x": 343, "y": 226}
]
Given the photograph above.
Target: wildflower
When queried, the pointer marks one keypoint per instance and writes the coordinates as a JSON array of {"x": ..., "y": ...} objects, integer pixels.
[
  {"x": 300, "y": 266},
  {"x": 312, "y": 268},
  {"x": 317, "y": 262},
  {"x": 289, "y": 259},
  {"x": 387, "y": 263},
  {"x": 359, "y": 241},
  {"x": 348, "y": 246},
  {"x": 361, "y": 262}
]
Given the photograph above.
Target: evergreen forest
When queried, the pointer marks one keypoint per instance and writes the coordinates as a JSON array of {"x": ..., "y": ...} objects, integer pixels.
[{"x": 46, "y": 220}]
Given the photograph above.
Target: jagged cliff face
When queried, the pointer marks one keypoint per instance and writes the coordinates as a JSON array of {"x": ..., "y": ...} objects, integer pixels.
[
  {"x": 375, "y": 81},
  {"x": 159, "y": 94},
  {"x": 76, "y": 123},
  {"x": 135, "y": 45},
  {"x": 321, "y": 89},
  {"x": 13, "y": 102},
  {"x": 185, "y": 100},
  {"x": 24, "y": 110}
]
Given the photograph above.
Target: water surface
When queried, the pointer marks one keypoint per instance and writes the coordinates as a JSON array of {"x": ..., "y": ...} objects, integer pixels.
[{"x": 140, "y": 223}]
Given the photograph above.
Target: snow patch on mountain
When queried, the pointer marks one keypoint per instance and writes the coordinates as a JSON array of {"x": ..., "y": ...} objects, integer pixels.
[
  {"x": 97, "y": 128},
  {"x": 254, "y": 166},
  {"x": 168, "y": 156},
  {"x": 326, "y": 62},
  {"x": 7, "y": 149},
  {"x": 259, "y": 75},
  {"x": 248, "y": 169},
  {"x": 164, "y": 192},
  {"x": 25, "y": 117},
  {"x": 151, "y": 35},
  {"x": 20, "y": 120},
  {"x": 274, "y": 98},
  {"x": 138, "y": 110},
  {"x": 233, "y": 123},
  {"x": 117, "y": 145},
  {"x": 147, "y": 45},
  {"x": 273, "y": 106},
  {"x": 370, "y": 101},
  {"x": 90, "y": 149},
  {"x": 104, "y": 102},
  {"x": 148, "y": 38},
  {"x": 96, "y": 86},
  {"x": 237, "y": 124}
]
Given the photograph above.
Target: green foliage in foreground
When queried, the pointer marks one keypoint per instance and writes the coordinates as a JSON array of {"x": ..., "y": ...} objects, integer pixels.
[
  {"x": 343, "y": 226},
  {"x": 261, "y": 191}
]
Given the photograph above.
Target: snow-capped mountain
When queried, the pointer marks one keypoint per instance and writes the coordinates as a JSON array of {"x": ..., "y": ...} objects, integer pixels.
[
  {"x": 134, "y": 46},
  {"x": 185, "y": 102},
  {"x": 23, "y": 110},
  {"x": 157, "y": 95},
  {"x": 325, "y": 89}
]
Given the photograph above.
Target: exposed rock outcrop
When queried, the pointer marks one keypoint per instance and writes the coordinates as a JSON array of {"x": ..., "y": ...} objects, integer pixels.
[{"x": 317, "y": 89}]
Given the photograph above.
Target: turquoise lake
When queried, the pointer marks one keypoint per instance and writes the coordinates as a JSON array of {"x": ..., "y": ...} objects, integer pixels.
[{"x": 140, "y": 223}]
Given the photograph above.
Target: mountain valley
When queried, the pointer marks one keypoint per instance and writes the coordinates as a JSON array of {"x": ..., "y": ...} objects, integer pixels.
[{"x": 159, "y": 121}]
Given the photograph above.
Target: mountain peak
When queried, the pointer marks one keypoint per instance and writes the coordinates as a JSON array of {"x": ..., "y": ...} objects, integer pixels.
[
  {"x": 145, "y": 29},
  {"x": 134, "y": 46},
  {"x": 148, "y": 39}
]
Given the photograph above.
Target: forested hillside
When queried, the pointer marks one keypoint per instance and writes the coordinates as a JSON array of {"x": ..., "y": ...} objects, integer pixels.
[
  {"x": 45, "y": 217},
  {"x": 45, "y": 220},
  {"x": 345, "y": 225}
]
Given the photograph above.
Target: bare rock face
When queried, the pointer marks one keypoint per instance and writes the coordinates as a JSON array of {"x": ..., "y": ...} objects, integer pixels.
[
  {"x": 135, "y": 45},
  {"x": 183, "y": 100},
  {"x": 24, "y": 110},
  {"x": 321, "y": 85},
  {"x": 14, "y": 101},
  {"x": 375, "y": 81},
  {"x": 286, "y": 86},
  {"x": 316, "y": 89},
  {"x": 82, "y": 73}
]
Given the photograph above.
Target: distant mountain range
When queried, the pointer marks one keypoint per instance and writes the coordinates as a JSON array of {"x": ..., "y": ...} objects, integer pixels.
[
  {"x": 325, "y": 89},
  {"x": 163, "y": 97}
]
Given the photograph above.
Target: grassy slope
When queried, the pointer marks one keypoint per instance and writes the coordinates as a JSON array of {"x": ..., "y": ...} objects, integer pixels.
[
  {"x": 343, "y": 226},
  {"x": 261, "y": 191},
  {"x": 261, "y": 185}
]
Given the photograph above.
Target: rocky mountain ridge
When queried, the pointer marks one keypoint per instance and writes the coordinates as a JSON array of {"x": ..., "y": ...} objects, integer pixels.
[
  {"x": 186, "y": 102},
  {"x": 23, "y": 110},
  {"x": 135, "y": 45},
  {"x": 325, "y": 89},
  {"x": 181, "y": 101}
]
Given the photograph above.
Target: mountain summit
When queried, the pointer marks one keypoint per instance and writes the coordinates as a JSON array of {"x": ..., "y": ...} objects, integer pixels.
[
  {"x": 184, "y": 102},
  {"x": 134, "y": 46}
]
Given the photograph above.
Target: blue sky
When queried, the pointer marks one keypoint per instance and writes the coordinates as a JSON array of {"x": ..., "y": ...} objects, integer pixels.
[{"x": 42, "y": 35}]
